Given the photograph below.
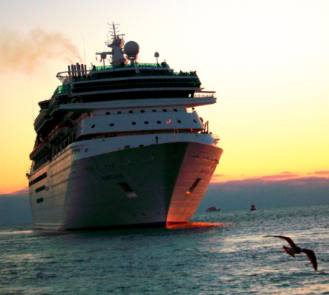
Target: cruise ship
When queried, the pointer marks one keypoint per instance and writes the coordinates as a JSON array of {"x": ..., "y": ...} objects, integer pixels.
[{"x": 121, "y": 144}]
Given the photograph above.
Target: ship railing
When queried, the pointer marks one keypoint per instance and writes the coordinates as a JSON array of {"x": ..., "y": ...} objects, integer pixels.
[
  {"x": 65, "y": 76},
  {"x": 215, "y": 137},
  {"x": 63, "y": 89},
  {"x": 83, "y": 73},
  {"x": 135, "y": 65}
]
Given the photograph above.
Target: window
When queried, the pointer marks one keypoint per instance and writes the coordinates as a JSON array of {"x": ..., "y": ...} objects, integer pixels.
[
  {"x": 164, "y": 110},
  {"x": 146, "y": 122},
  {"x": 130, "y": 112},
  {"x": 93, "y": 126},
  {"x": 111, "y": 124},
  {"x": 142, "y": 111},
  {"x": 41, "y": 188},
  {"x": 39, "y": 200},
  {"x": 158, "y": 122},
  {"x": 107, "y": 113},
  {"x": 154, "y": 111},
  {"x": 133, "y": 123},
  {"x": 119, "y": 112},
  {"x": 195, "y": 121},
  {"x": 175, "y": 110},
  {"x": 42, "y": 176},
  {"x": 179, "y": 121}
]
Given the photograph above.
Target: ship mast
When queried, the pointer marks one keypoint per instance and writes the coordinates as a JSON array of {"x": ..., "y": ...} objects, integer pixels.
[{"x": 117, "y": 44}]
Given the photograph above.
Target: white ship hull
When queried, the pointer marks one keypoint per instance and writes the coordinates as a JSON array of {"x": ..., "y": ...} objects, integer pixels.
[{"x": 150, "y": 185}]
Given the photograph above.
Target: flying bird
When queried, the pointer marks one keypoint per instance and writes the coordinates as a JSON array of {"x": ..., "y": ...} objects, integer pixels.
[{"x": 294, "y": 249}]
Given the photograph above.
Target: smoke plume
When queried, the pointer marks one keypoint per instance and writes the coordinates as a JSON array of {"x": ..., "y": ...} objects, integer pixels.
[{"x": 25, "y": 53}]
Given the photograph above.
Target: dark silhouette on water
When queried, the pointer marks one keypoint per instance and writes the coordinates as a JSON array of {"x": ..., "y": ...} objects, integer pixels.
[
  {"x": 252, "y": 207},
  {"x": 212, "y": 209},
  {"x": 294, "y": 249}
]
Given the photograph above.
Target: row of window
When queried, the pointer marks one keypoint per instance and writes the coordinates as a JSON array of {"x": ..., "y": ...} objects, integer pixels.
[
  {"x": 169, "y": 121},
  {"x": 141, "y": 111}
]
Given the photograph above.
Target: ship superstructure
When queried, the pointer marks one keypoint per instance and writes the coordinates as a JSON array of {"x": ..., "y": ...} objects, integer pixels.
[{"x": 121, "y": 145}]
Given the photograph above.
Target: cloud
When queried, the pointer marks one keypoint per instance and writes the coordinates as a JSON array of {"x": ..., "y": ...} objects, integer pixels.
[
  {"x": 218, "y": 177},
  {"x": 25, "y": 53},
  {"x": 322, "y": 173},
  {"x": 280, "y": 176},
  {"x": 285, "y": 176},
  {"x": 24, "y": 191}
]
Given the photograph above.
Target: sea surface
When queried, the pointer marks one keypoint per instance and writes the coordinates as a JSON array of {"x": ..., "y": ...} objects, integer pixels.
[{"x": 234, "y": 258}]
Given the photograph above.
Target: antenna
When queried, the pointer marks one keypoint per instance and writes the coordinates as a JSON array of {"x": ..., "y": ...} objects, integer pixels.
[
  {"x": 156, "y": 55},
  {"x": 113, "y": 33},
  {"x": 84, "y": 49}
]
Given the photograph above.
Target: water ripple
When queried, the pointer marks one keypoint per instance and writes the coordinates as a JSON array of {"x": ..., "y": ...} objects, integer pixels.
[{"x": 235, "y": 259}]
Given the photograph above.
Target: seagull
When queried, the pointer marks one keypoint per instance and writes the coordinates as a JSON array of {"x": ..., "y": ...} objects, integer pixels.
[{"x": 294, "y": 249}]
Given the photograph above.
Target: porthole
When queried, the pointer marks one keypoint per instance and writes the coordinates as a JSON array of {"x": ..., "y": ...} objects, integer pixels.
[
  {"x": 142, "y": 111},
  {"x": 119, "y": 112},
  {"x": 179, "y": 121},
  {"x": 111, "y": 124},
  {"x": 158, "y": 122},
  {"x": 195, "y": 121},
  {"x": 133, "y": 123},
  {"x": 154, "y": 111},
  {"x": 93, "y": 126},
  {"x": 175, "y": 110},
  {"x": 130, "y": 112},
  {"x": 39, "y": 200},
  {"x": 146, "y": 122},
  {"x": 164, "y": 110},
  {"x": 107, "y": 113}
]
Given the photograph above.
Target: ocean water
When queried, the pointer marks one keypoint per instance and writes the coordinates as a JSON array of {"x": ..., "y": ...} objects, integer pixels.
[{"x": 232, "y": 259}]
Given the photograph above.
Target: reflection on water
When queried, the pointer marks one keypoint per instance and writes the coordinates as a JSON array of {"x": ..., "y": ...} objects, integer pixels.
[
  {"x": 218, "y": 253},
  {"x": 15, "y": 232},
  {"x": 191, "y": 225}
]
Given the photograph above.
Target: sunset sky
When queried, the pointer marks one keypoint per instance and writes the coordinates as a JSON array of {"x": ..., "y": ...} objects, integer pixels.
[{"x": 268, "y": 61}]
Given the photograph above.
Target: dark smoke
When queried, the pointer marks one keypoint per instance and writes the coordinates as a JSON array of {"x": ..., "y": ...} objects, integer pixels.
[{"x": 25, "y": 53}]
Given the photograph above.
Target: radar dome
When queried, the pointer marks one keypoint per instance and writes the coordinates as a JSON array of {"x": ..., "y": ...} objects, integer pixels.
[{"x": 131, "y": 49}]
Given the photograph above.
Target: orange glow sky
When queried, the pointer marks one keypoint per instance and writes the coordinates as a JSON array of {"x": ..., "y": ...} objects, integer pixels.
[{"x": 267, "y": 60}]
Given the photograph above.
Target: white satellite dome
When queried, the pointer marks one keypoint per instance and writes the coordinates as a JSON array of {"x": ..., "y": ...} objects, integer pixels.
[{"x": 131, "y": 49}]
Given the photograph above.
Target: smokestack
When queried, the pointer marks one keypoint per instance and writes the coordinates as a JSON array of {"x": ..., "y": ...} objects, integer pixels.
[{"x": 78, "y": 70}]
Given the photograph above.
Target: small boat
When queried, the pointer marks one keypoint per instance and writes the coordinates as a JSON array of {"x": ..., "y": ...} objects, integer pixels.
[
  {"x": 213, "y": 209},
  {"x": 253, "y": 207}
]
